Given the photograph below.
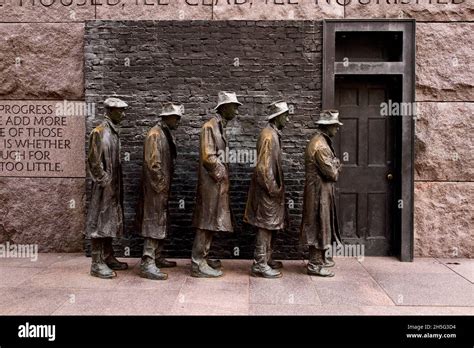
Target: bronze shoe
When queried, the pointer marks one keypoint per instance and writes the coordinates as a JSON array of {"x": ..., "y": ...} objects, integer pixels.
[
  {"x": 320, "y": 271},
  {"x": 164, "y": 263},
  {"x": 204, "y": 271},
  {"x": 149, "y": 270},
  {"x": 265, "y": 272},
  {"x": 101, "y": 270}
]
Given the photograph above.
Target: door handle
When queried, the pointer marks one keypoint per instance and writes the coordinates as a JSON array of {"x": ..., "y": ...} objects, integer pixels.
[{"x": 389, "y": 176}]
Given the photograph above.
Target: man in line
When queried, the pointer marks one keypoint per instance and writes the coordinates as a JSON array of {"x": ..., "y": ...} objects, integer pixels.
[
  {"x": 265, "y": 207},
  {"x": 105, "y": 214},
  {"x": 319, "y": 227},
  {"x": 212, "y": 212},
  {"x": 159, "y": 154}
]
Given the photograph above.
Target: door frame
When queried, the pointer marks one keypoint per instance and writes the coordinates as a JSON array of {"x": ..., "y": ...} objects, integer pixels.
[{"x": 405, "y": 68}]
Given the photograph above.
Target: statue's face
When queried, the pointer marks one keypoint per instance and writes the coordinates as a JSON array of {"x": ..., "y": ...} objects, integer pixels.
[
  {"x": 172, "y": 121},
  {"x": 333, "y": 129},
  {"x": 281, "y": 120},
  {"x": 116, "y": 114},
  {"x": 229, "y": 111}
]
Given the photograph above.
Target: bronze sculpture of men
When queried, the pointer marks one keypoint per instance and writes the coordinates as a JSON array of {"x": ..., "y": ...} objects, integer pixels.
[
  {"x": 319, "y": 227},
  {"x": 159, "y": 154},
  {"x": 265, "y": 207},
  {"x": 105, "y": 214},
  {"x": 212, "y": 212}
]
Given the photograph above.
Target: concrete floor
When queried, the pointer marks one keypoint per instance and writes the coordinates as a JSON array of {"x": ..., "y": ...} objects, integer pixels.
[{"x": 60, "y": 284}]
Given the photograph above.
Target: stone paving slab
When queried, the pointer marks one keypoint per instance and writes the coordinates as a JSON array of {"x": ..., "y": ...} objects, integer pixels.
[
  {"x": 393, "y": 265},
  {"x": 427, "y": 289},
  {"x": 213, "y": 296},
  {"x": 43, "y": 260},
  {"x": 227, "y": 295},
  {"x": 60, "y": 284},
  {"x": 362, "y": 292},
  {"x": 31, "y": 301},
  {"x": 424, "y": 282},
  {"x": 113, "y": 302},
  {"x": 463, "y": 267},
  {"x": 14, "y": 276},
  {"x": 295, "y": 287},
  {"x": 352, "y": 286},
  {"x": 235, "y": 270}
]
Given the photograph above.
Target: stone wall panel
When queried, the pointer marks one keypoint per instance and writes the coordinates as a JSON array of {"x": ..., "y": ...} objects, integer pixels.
[
  {"x": 48, "y": 212},
  {"x": 442, "y": 149},
  {"x": 444, "y": 60},
  {"x": 443, "y": 219},
  {"x": 42, "y": 61}
]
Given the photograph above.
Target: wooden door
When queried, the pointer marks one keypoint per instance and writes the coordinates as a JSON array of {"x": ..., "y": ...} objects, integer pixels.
[{"x": 367, "y": 148}]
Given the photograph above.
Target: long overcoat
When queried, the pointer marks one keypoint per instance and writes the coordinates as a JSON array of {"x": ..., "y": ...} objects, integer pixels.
[
  {"x": 105, "y": 214},
  {"x": 319, "y": 225},
  {"x": 212, "y": 211},
  {"x": 159, "y": 154},
  {"x": 266, "y": 198}
]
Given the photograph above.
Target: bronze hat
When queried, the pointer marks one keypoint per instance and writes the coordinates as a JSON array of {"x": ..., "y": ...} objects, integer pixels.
[
  {"x": 115, "y": 103},
  {"x": 170, "y": 109},
  {"x": 224, "y": 97},
  {"x": 329, "y": 117},
  {"x": 277, "y": 108}
]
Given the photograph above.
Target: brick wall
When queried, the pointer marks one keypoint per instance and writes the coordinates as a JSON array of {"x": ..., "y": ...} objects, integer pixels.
[{"x": 150, "y": 62}]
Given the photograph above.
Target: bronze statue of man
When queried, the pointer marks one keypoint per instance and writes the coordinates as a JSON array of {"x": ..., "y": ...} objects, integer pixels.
[
  {"x": 212, "y": 212},
  {"x": 265, "y": 207},
  {"x": 159, "y": 154},
  {"x": 105, "y": 214},
  {"x": 319, "y": 227}
]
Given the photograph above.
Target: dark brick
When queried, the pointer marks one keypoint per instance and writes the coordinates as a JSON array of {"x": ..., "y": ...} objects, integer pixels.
[{"x": 189, "y": 62}]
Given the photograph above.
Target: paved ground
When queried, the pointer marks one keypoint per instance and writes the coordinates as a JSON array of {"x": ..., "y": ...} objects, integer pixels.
[{"x": 60, "y": 284}]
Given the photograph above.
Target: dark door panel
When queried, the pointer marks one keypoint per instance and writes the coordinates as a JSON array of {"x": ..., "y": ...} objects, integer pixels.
[{"x": 365, "y": 144}]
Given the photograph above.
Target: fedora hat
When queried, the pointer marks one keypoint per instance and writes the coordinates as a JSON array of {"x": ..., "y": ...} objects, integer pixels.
[
  {"x": 115, "y": 103},
  {"x": 226, "y": 98},
  {"x": 329, "y": 117},
  {"x": 277, "y": 108},
  {"x": 170, "y": 109}
]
